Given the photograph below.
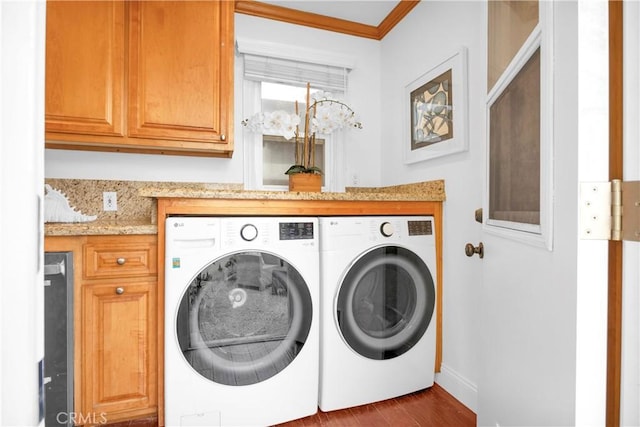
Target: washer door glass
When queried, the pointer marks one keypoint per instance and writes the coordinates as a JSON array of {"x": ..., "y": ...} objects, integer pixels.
[
  {"x": 385, "y": 302},
  {"x": 244, "y": 318}
]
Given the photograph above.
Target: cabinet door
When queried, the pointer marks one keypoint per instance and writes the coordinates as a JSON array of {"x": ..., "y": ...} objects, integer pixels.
[
  {"x": 85, "y": 68},
  {"x": 181, "y": 71},
  {"x": 119, "y": 350}
]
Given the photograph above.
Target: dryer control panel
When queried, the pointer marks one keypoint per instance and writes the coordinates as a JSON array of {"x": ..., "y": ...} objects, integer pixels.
[
  {"x": 296, "y": 230},
  {"x": 420, "y": 228}
]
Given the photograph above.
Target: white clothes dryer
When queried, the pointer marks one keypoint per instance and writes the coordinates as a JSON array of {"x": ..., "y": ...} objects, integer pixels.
[
  {"x": 241, "y": 320},
  {"x": 378, "y": 311}
]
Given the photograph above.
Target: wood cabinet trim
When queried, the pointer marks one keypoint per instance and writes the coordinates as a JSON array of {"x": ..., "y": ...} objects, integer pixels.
[
  {"x": 72, "y": 244},
  {"x": 267, "y": 207},
  {"x": 68, "y": 141}
]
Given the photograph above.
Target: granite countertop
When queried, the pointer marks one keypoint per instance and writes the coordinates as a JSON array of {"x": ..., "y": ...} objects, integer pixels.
[
  {"x": 101, "y": 227},
  {"x": 428, "y": 191},
  {"x": 138, "y": 201}
]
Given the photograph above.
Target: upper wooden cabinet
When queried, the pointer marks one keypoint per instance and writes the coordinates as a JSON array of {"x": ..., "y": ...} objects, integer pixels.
[
  {"x": 85, "y": 68},
  {"x": 171, "y": 93},
  {"x": 177, "y": 74}
]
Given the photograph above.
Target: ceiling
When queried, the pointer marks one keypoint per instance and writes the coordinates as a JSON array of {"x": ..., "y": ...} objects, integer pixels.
[{"x": 368, "y": 12}]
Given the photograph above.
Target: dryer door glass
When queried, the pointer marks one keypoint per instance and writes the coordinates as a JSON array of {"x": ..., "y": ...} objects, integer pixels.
[
  {"x": 385, "y": 302},
  {"x": 244, "y": 318}
]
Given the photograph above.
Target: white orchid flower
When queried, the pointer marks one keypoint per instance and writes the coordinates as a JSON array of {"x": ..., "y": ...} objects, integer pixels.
[{"x": 325, "y": 114}]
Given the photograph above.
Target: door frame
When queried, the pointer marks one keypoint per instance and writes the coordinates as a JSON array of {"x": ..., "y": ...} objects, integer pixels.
[{"x": 614, "y": 316}]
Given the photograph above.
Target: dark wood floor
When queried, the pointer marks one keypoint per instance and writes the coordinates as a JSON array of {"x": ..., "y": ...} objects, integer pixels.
[{"x": 430, "y": 407}]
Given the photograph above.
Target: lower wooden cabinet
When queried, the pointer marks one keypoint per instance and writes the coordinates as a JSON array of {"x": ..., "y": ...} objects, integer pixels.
[
  {"x": 119, "y": 349},
  {"x": 115, "y": 325}
]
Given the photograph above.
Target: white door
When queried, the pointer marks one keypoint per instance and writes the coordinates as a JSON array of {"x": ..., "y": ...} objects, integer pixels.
[
  {"x": 543, "y": 304},
  {"x": 545, "y": 308}
]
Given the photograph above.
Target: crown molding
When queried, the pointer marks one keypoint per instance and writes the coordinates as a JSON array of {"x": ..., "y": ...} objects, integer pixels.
[
  {"x": 322, "y": 22},
  {"x": 394, "y": 17}
]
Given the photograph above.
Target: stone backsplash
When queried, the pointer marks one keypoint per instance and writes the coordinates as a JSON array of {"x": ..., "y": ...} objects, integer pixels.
[{"x": 86, "y": 196}]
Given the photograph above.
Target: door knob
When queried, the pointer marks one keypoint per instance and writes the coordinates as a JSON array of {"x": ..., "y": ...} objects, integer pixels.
[{"x": 470, "y": 250}]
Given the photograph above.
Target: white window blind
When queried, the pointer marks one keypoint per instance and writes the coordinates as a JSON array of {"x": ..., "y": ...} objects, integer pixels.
[
  {"x": 286, "y": 71},
  {"x": 293, "y": 65}
]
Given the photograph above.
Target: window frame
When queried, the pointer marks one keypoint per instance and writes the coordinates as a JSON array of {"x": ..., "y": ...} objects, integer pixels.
[{"x": 253, "y": 149}]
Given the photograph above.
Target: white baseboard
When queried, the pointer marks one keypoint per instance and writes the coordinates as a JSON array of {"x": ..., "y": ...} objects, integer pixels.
[{"x": 458, "y": 386}]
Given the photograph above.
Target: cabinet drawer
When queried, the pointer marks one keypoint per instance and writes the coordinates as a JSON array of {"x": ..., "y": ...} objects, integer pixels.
[{"x": 119, "y": 258}]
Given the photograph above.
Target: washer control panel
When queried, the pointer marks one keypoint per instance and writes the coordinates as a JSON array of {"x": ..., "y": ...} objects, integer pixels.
[{"x": 296, "y": 230}]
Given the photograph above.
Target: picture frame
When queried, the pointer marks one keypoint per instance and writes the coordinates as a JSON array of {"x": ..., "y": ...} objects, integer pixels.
[{"x": 435, "y": 106}]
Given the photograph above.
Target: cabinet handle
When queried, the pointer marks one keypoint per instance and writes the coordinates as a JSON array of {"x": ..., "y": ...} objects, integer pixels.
[
  {"x": 223, "y": 137},
  {"x": 119, "y": 291},
  {"x": 121, "y": 261}
]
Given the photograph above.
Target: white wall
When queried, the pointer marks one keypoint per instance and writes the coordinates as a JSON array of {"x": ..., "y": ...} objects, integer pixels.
[
  {"x": 361, "y": 150},
  {"x": 21, "y": 187},
  {"x": 430, "y": 33}
]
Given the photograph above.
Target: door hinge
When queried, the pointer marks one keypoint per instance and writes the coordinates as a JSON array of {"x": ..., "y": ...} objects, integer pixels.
[{"x": 610, "y": 210}]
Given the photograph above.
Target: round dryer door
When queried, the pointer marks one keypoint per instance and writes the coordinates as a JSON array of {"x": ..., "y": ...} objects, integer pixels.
[
  {"x": 385, "y": 302},
  {"x": 244, "y": 318}
]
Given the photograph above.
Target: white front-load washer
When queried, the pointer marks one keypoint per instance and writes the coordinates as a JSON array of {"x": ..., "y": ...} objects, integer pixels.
[
  {"x": 378, "y": 311},
  {"x": 241, "y": 320}
]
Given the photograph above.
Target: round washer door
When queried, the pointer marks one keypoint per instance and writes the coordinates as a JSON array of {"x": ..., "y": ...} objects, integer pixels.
[
  {"x": 244, "y": 318},
  {"x": 385, "y": 302}
]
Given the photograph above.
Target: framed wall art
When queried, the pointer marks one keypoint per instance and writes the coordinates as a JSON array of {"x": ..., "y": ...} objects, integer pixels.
[{"x": 436, "y": 111}]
